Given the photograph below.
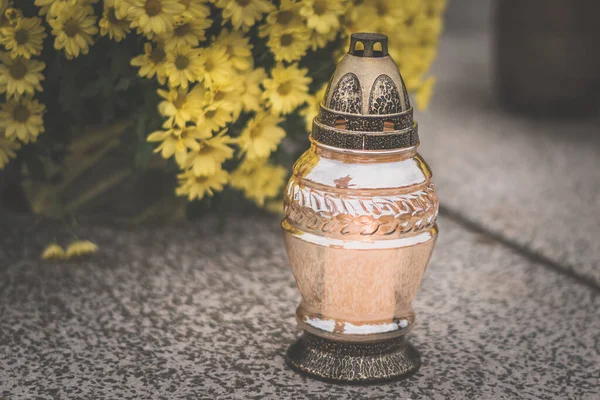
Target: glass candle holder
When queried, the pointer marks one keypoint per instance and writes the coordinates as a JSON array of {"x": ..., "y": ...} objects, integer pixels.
[{"x": 360, "y": 224}]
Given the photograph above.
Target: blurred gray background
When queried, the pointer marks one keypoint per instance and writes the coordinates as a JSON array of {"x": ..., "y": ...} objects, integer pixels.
[
  {"x": 468, "y": 15},
  {"x": 529, "y": 180}
]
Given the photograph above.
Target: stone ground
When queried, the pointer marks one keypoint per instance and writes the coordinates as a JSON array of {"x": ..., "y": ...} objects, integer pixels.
[
  {"x": 532, "y": 182},
  {"x": 509, "y": 307}
]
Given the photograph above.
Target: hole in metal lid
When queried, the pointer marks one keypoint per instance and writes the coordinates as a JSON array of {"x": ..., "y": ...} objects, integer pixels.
[
  {"x": 340, "y": 123},
  {"x": 388, "y": 126}
]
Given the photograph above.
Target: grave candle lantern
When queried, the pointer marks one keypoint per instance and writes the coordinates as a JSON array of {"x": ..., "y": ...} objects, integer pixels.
[{"x": 360, "y": 224}]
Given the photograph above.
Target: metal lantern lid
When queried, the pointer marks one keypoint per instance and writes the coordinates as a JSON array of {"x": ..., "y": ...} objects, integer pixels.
[{"x": 366, "y": 105}]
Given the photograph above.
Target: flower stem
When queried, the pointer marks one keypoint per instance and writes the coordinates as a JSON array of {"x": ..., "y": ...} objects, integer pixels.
[{"x": 97, "y": 190}]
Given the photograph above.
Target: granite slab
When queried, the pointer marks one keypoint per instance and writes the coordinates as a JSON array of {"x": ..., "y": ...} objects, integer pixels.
[
  {"x": 533, "y": 182},
  {"x": 188, "y": 312}
]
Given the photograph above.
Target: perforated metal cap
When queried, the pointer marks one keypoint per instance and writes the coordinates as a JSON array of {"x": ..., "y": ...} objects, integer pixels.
[{"x": 366, "y": 104}]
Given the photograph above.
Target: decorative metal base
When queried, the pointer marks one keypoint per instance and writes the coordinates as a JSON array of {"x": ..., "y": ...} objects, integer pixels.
[{"x": 344, "y": 362}]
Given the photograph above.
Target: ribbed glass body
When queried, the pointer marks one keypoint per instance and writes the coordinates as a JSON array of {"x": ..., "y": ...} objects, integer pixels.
[{"x": 359, "y": 231}]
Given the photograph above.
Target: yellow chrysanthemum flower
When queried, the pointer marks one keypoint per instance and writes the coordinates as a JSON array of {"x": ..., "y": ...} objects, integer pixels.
[
  {"x": 55, "y": 7},
  {"x": 319, "y": 40},
  {"x": 285, "y": 18},
  {"x": 181, "y": 106},
  {"x": 190, "y": 32},
  {"x": 184, "y": 65},
  {"x": 385, "y": 15},
  {"x": 154, "y": 17},
  {"x": 22, "y": 118},
  {"x": 196, "y": 187},
  {"x": 4, "y": 5},
  {"x": 414, "y": 62},
  {"x": 53, "y": 252},
  {"x": 74, "y": 29},
  {"x": 177, "y": 141},
  {"x": 195, "y": 9},
  {"x": 289, "y": 45},
  {"x": 417, "y": 27},
  {"x": 12, "y": 16},
  {"x": 436, "y": 6},
  {"x": 312, "y": 109},
  {"x": 259, "y": 180},
  {"x": 226, "y": 97},
  {"x": 8, "y": 148},
  {"x": 410, "y": 10},
  {"x": 261, "y": 136},
  {"x": 323, "y": 15},
  {"x": 212, "y": 153},
  {"x": 243, "y": 13},
  {"x": 252, "y": 93},
  {"x": 25, "y": 38},
  {"x": 353, "y": 22},
  {"x": 19, "y": 76},
  {"x": 287, "y": 88},
  {"x": 110, "y": 25},
  {"x": 238, "y": 49},
  {"x": 121, "y": 7},
  {"x": 238, "y": 105},
  {"x": 213, "y": 118},
  {"x": 81, "y": 248},
  {"x": 218, "y": 69},
  {"x": 152, "y": 62},
  {"x": 351, "y": 17},
  {"x": 426, "y": 29}
]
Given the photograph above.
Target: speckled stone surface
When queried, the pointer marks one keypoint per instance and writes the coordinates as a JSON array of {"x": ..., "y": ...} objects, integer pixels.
[
  {"x": 183, "y": 312},
  {"x": 533, "y": 182}
]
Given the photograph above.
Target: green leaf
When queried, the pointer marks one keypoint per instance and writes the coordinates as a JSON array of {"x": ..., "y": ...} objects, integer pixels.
[
  {"x": 123, "y": 84},
  {"x": 143, "y": 149},
  {"x": 92, "y": 88}
]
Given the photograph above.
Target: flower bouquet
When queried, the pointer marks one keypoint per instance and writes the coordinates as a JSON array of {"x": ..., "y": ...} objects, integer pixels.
[{"x": 221, "y": 90}]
